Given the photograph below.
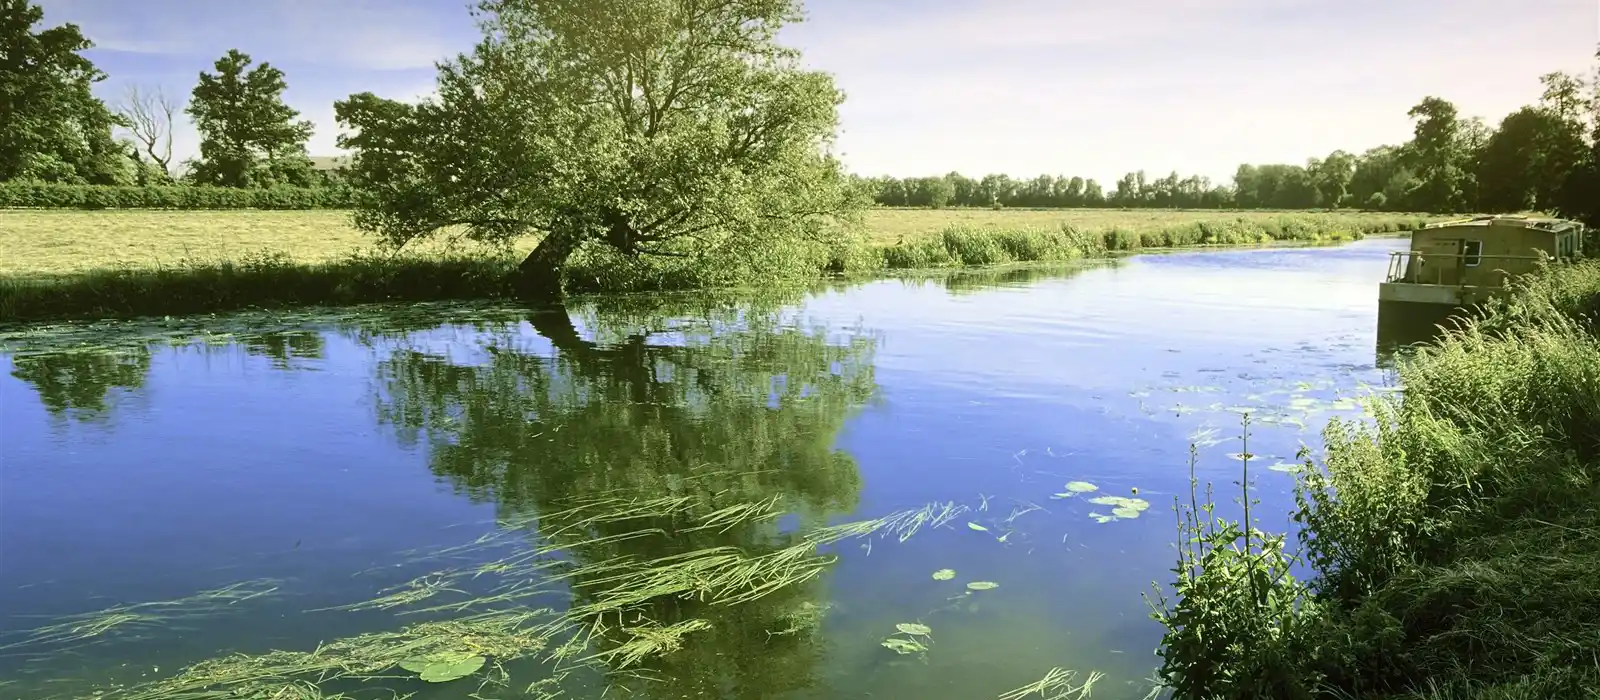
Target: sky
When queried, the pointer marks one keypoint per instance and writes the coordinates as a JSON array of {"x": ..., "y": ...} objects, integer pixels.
[{"x": 1023, "y": 87}]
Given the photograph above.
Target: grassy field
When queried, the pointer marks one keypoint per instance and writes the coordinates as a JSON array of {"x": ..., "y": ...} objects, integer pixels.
[{"x": 54, "y": 242}]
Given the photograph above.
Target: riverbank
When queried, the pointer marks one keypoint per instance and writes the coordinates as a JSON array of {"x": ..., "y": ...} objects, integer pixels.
[
  {"x": 71, "y": 265},
  {"x": 1453, "y": 540}
]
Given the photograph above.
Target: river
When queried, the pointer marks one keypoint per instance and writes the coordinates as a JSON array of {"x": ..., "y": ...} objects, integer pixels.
[{"x": 298, "y": 464}]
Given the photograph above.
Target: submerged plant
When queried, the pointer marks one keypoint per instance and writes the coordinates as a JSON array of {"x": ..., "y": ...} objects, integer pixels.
[
  {"x": 75, "y": 630},
  {"x": 1057, "y": 684}
]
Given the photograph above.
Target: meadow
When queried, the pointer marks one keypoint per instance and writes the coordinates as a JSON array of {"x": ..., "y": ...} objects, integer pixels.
[{"x": 75, "y": 264}]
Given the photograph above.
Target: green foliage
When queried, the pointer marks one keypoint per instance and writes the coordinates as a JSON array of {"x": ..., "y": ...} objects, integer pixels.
[
  {"x": 41, "y": 195},
  {"x": 52, "y": 129},
  {"x": 1240, "y": 626},
  {"x": 1452, "y": 538},
  {"x": 665, "y": 131},
  {"x": 248, "y": 136}
]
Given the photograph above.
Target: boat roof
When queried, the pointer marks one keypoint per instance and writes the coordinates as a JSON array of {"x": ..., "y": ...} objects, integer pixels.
[{"x": 1547, "y": 224}]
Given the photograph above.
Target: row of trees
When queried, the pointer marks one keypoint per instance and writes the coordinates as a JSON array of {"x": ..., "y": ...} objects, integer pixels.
[
  {"x": 1540, "y": 157},
  {"x": 54, "y": 130},
  {"x": 57, "y": 131}
]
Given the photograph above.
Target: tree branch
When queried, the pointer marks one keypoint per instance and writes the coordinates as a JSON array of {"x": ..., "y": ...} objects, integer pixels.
[{"x": 149, "y": 120}]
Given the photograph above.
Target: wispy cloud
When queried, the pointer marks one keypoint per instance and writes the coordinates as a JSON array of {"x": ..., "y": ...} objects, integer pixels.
[{"x": 359, "y": 34}]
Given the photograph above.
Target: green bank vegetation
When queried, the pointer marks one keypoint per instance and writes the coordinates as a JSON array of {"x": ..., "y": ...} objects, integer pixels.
[
  {"x": 56, "y": 278},
  {"x": 1452, "y": 542}
]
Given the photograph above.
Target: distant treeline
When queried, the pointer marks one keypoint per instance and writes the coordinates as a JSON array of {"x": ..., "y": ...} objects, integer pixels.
[{"x": 1540, "y": 157}]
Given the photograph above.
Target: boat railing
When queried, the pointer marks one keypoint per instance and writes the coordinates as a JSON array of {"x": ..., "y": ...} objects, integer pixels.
[{"x": 1418, "y": 267}]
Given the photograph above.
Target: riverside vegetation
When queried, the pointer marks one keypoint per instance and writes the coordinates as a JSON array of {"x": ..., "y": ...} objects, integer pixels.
[
  {"x": 1451, "y": 542},
  {"x": 159, "y": 262}
]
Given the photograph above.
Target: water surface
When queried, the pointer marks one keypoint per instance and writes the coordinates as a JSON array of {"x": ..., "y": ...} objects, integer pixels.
[{"x": 317, "y": 460}]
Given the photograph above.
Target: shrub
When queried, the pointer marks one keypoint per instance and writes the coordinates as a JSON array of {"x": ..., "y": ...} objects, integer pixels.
[{"x": 44, "y": 195}]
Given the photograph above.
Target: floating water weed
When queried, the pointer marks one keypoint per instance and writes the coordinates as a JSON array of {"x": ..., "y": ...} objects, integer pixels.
[
  {"x": 648, "y": 640},
  {"x": 616, "y": 594},
  {"x": 1057, "y": 684},
  {"x": 500, "y": 635},
  {"x": 944, "y": 574},
  {"x": 85, "y": 627},
  {"x": 408, "y": 593}
]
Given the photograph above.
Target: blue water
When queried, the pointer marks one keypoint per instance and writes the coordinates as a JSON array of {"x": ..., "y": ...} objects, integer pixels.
[{"x": 323, "y": 457}]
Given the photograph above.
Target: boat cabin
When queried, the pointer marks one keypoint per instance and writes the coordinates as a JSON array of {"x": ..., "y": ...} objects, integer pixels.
[{"x": 1462, "y": 262}]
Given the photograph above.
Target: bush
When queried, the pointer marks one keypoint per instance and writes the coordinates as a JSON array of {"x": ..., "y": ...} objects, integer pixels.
[{"x": 45, "y": 195}]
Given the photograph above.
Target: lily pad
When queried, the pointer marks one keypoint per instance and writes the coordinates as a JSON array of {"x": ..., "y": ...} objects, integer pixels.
[
  {"x": 1287, "y": 467},
  {"x": 1125, "y": 512},
  {"x": 977, "y": 527},
  {"x": 1081, "y": 487},
  {"x": 904, "y": 646},
  {"x": 1240, "y": 456},
  {"x": 1099, "y": 518},
  {"x": 944, "y": 574},
  {"x": 915, "y": 629},
  {"x": 1137, "y": 504},
  {"x": 982, "y": 586},
  {"x": 445, "y": 667}
]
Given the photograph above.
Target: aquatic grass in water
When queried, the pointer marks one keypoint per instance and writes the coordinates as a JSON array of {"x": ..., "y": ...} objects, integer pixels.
[
  {"x": 76, "y": 630},
  {"x": 1057, "y": 684},
  {"x": 620, "y": 591}
]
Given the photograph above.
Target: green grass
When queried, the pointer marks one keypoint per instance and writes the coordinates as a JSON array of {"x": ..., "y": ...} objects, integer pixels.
[
  {"x": 85, "y": 264},
  {"x": 1454, "y": 541}
]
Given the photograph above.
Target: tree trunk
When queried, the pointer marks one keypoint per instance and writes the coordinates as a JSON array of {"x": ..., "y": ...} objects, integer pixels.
[{"x": 539, "y": 275}]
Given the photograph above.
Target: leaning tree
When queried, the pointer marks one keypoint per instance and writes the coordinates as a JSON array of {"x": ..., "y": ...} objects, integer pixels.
[{"x": 650, "y": 129}]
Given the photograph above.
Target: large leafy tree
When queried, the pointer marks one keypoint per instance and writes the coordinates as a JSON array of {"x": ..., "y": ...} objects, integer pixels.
[
  {"x": 52, "y": 128},
  {"x": 640, "y": 131},
  {"x": 248, "y": 136},
  {"x": 1435, "y": 153}
]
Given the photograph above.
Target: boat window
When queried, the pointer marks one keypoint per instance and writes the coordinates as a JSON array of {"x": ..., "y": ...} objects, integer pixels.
[{"x": 1472, "y": 253}]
